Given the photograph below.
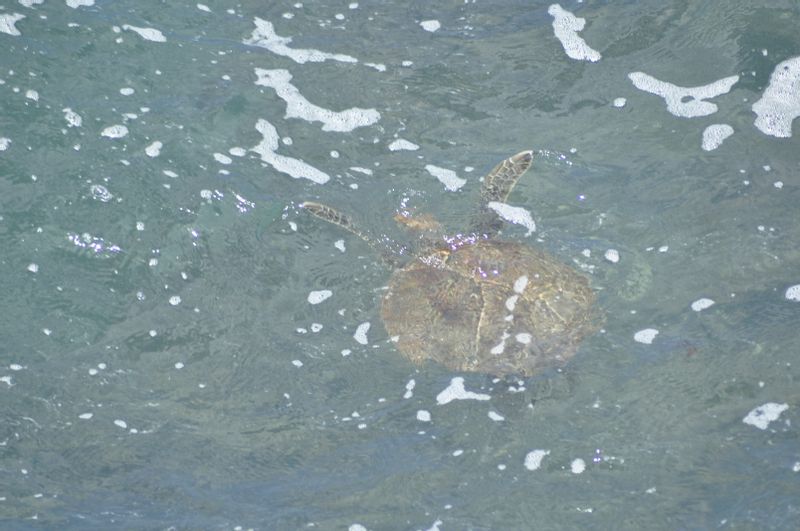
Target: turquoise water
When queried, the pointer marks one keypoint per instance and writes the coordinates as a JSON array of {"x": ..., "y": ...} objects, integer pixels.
[{"x": 162, "y": 366}]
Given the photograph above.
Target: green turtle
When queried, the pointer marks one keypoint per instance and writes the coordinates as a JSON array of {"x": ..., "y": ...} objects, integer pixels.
[{"x": 476, "y": 303}]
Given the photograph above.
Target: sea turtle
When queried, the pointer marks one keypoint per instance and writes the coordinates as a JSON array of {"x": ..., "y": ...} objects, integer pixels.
[{"x": 475, "y": 303}]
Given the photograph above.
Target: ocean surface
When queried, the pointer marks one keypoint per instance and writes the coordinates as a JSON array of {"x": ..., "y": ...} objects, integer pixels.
[{"x": 183, "y": 347}]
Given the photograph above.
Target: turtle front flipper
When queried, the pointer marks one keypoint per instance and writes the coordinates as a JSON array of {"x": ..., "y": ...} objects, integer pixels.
[
  {"x": 497, "y": 185},
  {"x": 390, "y": 252},
  {"x": 331, "y": 215},
  {"x": 501, "y": 180}
]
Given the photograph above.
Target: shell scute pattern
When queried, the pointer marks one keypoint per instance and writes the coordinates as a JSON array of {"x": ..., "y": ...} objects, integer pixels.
[{"x": 484, "y": 305}]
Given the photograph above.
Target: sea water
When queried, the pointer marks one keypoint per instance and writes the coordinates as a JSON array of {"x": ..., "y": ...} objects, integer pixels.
[{"x": 181, "y": 346}]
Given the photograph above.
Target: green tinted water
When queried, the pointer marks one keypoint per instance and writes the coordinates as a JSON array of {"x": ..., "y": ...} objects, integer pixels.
[{"x": 162, "y": 367}]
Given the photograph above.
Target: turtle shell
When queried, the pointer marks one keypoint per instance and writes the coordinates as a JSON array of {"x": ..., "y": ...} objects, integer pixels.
[{"x": 494, "y": 307}]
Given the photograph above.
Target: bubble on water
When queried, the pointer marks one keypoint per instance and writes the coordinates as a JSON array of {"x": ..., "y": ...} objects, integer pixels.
[
  {"x": 612, "y": 255},
  {"x": 361, "y": 333},
  {"x": 410, "y": 389},
  {"x": 577, "y": 466},
  {"x": 533, "y": 460},
  {"x": 101, "y": 193}
]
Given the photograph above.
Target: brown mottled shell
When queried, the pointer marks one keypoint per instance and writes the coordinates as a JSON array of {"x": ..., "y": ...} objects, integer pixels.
[{"x": 494, "y": 307}]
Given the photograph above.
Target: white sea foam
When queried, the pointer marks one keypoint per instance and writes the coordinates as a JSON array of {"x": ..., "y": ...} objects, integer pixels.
[
  {"x": 520, "y": 284},
  {"x": 714, "y": 135},
  {"x": 316, "y": 297},
  {"x": 7, "y": 22},
  {"x": 430, "y": 25},
  {"x": 495, "y": 416},
  {"x": 410, "y": 389},
  {"x": 456, "y": 391},
  {"x": 361, "y": 333},
  {"x": 222, "y": 158},
  {"x": 290, "y": 166},
  {"x": 297, "y": 106},
  {"x": 577, "y": 466},
  {"x": 148, "y": 34},
  {"x": 761, "y": 416},
  {"x": 701, "y": 304},
  {"x": 533, "y": 460},
  {"x": 793, "y": 293},
  {"x": 512, "y": 214},
  {"x": 264, "y": 36},
  {"x": 645, "y": 336},
  {"x": 780, "y": 103},
  {"x": 359, "y": 169},
  {"x": 75, "y": 4},
  {"x": 115, "y": 131},
  {"x": 73, "y": 119},
  {"x": 612, "y": 255},
  {"x": 566, "y": 27},
  {"x": 448, "y": 178},
  {"x": 687, "y": 102},
  {"x": 154, "y": 149},
  {"x": 524, "y": 338},
  {"x": 511, "y": 302},
  {"x": 402, "y": 144}
]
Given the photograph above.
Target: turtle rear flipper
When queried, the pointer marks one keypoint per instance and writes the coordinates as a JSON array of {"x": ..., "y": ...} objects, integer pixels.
[{"x": 497, "y": 185}]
